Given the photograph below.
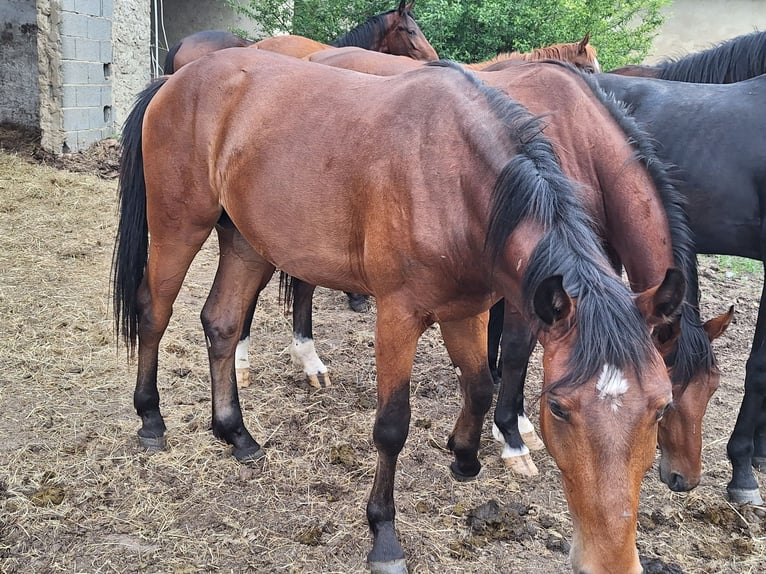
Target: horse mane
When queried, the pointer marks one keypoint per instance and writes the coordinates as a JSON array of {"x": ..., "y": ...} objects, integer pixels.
[
  {"x": 728, "y": 62},
  {"x": 694, "y": 352},
  {"x": 364, "y": 35},
  {"x": 532, "y": 186},
  {"x": 168, "y": 67}
]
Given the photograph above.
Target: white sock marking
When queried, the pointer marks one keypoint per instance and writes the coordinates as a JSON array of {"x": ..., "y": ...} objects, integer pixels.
[
  {"x": 241, "y": 360},
  {"x": 305, "y": 355}
]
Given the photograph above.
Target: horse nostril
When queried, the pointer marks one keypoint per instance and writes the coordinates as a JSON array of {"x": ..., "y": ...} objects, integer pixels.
[{"x": 677, "y": 483}]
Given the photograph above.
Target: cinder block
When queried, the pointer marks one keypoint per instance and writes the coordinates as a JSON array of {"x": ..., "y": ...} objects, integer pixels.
[
  {"x": 74, "y": 72},
  {"x": 68, "y": 96},
  {"x": 89, "y": 7},
  {"x": 68, "y": 48},
  {"x": 107, "y": 8},
  {"x": 106, "y": 52},
  {"x": 99, "y": 29},
  {"x": 88, "y": 96},
  {"x": 96, "y": 118},
  {"x": 86, "y": 138},
  {"x": 96, "y": 73},
  {"x": 67, "y": 5},
  {"x": 88, "y": 50},
  {"x": 75, "y": 119},
  {"x": 74, "y": 25},
  {"x": 106, "y": 96}
]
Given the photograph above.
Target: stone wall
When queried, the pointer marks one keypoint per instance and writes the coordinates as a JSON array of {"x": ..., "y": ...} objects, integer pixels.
[
  {"x": 131, "y": 33},
  {"x": 19, "y": 90}
]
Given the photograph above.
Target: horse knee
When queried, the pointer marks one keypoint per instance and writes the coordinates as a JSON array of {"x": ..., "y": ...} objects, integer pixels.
[
  {"x": 755, "y": 378},
  {"x": 392, "y": 425},
  {"x": 219, "y": 331}
]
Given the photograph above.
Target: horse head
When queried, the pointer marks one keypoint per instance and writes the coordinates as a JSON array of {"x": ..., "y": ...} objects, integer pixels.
[{"x": 603, "y": 427}]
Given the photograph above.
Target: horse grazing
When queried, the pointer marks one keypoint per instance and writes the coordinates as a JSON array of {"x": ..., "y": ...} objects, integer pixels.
[
  {"x": 393, "y": 32},
  {"x": 731, "y": 61},
  {"x": 580, "y": 54},
  {"x": 492, "y": 215},
  {"x": 723, "y": 180}
]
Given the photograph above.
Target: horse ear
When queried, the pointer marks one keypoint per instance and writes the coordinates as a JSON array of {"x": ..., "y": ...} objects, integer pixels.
[
  {"x": 402, "y": 7},
  {"x": 659, "y": 305},
  {"x": 551, "y": 301},
  {"x": 716, "y": 326},
  {"x": 583, "y": 43}
]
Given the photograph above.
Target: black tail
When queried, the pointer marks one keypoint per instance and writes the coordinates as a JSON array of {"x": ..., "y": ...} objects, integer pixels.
[
  {"x": 168, "y": 68},
  {"x": 132, "y": 242}
]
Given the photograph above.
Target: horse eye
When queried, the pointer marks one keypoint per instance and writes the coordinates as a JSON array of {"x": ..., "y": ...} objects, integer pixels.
[
  {"x": 661, "y": 412},
  {"x": 557, "y": 411}
]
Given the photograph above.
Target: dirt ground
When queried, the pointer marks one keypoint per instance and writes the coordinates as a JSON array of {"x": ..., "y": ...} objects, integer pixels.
[{"x": 78, "y": 495}]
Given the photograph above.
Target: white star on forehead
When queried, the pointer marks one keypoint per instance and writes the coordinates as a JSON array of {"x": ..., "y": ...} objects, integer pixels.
[{"x": 611, "y": 385}]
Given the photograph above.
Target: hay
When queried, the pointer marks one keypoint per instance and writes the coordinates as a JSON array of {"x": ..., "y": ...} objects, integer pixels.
[{"x": 77, "y": 495}]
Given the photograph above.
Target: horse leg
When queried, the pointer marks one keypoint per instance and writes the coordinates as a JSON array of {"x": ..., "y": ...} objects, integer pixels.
[
  {"x": 240, "y": 277},
  {"x": 759, "y": 450},
  {"x": 166, "y": 268},
  {"x": 242, "y": 356},
  {"x": 358, "y": 302},
  {"x": 494, "y": 334},
  {"x": 512, "y": 428},
  {"x": 302, "y": 350},
  {"x": 396, "y": 338},
  {"x": 466, "y": 344},
  {"x": 743, "y": 486}
]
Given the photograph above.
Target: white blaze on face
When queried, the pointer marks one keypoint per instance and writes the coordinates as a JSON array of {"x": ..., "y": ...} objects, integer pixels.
[{"x": 612, "y": 385}]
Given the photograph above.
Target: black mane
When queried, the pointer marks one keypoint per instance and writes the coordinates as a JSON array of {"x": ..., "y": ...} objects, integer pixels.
[
  {"x": 366, "y": 33},
  {"x": 731, "y": 61},
  {"x": 532, "y": 187},
  {"x": 694, "y": 353}
]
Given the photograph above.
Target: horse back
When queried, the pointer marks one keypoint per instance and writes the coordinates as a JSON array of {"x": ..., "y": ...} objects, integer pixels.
[{"x": 365, "y": 155}]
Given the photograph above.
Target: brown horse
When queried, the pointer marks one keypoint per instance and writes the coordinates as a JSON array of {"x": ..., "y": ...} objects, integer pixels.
[
  {"x": 691, "y": 358},
  {"x": 394, "y": 32},
  {"x": 580, "y": 54},
  {"x": 436, "y": 212}
]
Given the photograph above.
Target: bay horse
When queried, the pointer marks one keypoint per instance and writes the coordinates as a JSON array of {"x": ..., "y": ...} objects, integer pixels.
[
  {"x": 490, "y": 214},
  {"x": 394, "y": 32},
  {"x": 723, "y": 178},
  {"x": 733, "y": 60},
  {"x": 689, "y": 353},
  {"x": 580, "y": 54}
]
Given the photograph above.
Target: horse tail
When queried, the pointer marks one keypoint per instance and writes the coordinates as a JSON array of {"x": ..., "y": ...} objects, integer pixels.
[
  {"x": 132, "y": 241},
  {"x": 168, "y": 67}
]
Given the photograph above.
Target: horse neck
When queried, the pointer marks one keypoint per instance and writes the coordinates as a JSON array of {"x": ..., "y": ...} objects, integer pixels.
[{"x": 368, "y": 35}]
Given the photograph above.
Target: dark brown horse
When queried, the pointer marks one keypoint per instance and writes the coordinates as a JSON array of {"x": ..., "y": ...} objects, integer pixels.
[
  {"x": 436, "y": 212},
  {"x": 393, "y": 32}
]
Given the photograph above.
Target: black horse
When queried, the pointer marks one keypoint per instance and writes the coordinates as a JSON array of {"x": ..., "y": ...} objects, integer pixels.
[
  {"x": 716, "y": 136},
  {"x": 733, "y": 60}
]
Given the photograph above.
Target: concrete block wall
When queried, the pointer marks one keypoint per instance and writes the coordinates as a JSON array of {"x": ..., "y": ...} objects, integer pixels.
[{"x": 85, "y": 33}]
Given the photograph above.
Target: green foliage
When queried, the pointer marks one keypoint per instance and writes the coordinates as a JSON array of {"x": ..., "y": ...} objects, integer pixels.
[{"x": 475, "y": 30}]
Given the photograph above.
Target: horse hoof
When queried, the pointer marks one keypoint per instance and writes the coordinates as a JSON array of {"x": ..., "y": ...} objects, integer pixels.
[
  {"x": 532, "y": 441},
  {"x": 358, "y": 303},
  {"x": 759, "y": 463},
  {"x": 249, "y": 455},
  {"x": 152, "y": 443},
  {"x": 745, "y": 496},
  {"x": 319, "y": 380},
  {"x": 461, "y": 477},
  {"x": 390, "y": 567},
  {"x": 243, "y": 378},
  {"x": 522, "y": 465}
]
